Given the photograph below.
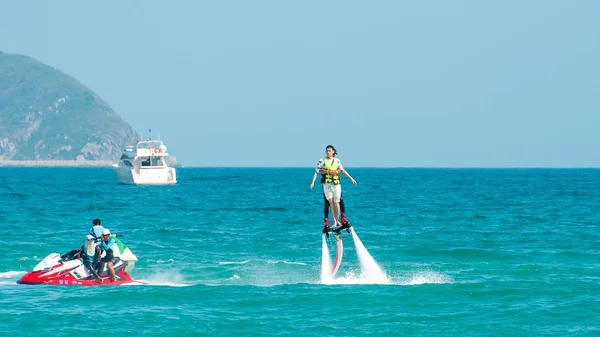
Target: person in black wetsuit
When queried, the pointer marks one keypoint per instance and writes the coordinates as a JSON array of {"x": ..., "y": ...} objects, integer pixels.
[{"x": 345, "y": 223}]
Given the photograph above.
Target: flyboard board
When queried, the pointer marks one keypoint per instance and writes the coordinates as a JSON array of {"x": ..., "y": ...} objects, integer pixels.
[
  {"x": 339, "y": 253},
  {"x": 339, "y": 247}
]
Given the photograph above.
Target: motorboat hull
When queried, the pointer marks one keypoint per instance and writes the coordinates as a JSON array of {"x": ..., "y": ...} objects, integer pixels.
[
  {"x": 68, "y": 279},
  {"x": 70, "y": 270},
  {"x": 148, "y": 176}
]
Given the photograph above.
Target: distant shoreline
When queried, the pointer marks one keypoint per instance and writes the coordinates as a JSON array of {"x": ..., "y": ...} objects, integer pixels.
[{"x": 55, "y": 163}]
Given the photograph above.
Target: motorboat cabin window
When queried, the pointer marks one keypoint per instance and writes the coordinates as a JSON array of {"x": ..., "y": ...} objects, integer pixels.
[
  {"x": 157, "y": 161},
  {"x": 152, "y": 161},
  {"x": 149, "y": 144}
]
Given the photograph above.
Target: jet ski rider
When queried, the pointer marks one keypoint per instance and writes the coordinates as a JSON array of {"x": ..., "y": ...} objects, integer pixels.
[
  {"x": 89, "y": 254},
  {"x": 96, "y": 229},
  {"x": 107, "y": 243}
]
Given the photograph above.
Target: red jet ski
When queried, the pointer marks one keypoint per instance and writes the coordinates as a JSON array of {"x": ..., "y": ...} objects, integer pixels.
[{"x": 70, "y": 270}]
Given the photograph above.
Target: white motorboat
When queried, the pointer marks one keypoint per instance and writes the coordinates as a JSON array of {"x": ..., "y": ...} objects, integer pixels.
[{"x": 146, "y": 164}]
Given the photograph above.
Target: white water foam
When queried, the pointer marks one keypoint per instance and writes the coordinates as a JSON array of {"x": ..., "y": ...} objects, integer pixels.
[
  {"x": 233, "y": 278},
  {"x": 370, "y": 270},
  {"x": 25, "y": 258},
  {"x": 11, "y": 274},
  {"x": 171, "y": 278},
  {"x": 325, "y": 262},
  {"x": 351, "y": 277},
  {"x": 286, "y": 262},
  {"x": 233, "y": 262},
  {"x": 425, "y": 277}
]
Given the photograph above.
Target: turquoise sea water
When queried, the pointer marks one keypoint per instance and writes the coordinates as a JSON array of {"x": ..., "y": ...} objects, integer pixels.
[{"x": 468, "y": 252}]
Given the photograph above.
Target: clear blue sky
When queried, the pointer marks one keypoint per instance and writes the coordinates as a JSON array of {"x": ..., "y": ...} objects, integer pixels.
[{"x": 389, "y": 83}]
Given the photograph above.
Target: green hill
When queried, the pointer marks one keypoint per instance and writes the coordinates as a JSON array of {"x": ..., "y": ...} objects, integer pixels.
[{"x": 48, "y": 115}]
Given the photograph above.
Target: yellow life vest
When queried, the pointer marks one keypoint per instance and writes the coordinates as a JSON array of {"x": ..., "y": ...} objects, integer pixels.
[{"x": 328, "y": 178}]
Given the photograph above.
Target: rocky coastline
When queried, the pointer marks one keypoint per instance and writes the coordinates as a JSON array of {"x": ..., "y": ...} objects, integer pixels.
[{"x": 55, "y": 163}]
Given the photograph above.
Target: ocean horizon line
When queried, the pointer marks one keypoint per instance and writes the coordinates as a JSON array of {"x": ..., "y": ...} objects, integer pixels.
[
  {"x": 108, "y": 164},
  {"x": 408, "y": 167}
]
